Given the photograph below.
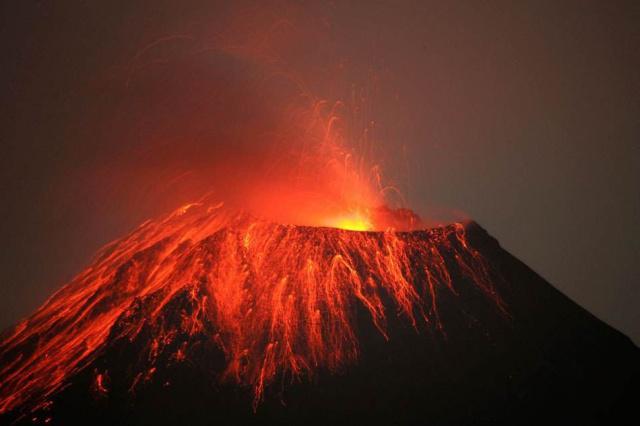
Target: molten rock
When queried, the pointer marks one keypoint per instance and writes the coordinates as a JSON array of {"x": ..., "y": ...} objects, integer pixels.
[{"x": 212, "y": 315}]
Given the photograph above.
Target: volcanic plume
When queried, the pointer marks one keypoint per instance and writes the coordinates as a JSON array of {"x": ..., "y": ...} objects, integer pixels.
[
  {"x": 308, "y": 300},
  {"x": 298, "y": 292}
]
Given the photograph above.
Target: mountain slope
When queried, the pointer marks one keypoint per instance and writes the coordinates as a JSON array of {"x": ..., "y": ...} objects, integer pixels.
[{"x": 437, "y": 327}]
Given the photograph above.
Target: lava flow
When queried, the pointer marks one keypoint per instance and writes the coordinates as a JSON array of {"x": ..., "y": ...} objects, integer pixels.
[{"x": 279, "y": 300}]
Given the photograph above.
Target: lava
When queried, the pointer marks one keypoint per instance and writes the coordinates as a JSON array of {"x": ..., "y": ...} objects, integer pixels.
[
  {"x": 279, "y": 300},
  {"x": 273, "y": 276},
  {"x": 352, "y": 222}
]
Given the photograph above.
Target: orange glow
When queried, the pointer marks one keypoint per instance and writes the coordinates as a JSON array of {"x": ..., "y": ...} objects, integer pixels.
[
  {"x": 273, "y": 275},
  {"x": 279, "y": 300},
  {"x": 352, "y": 222}
]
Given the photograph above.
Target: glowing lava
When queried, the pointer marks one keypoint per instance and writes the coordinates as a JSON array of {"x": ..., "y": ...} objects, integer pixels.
[
  {"x": 279, "y": 300},
  {"x": 352, "y": 222}
]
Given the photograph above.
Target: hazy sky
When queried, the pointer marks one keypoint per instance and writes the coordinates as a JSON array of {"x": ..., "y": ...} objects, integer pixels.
[{"x": 523, "y": 115}]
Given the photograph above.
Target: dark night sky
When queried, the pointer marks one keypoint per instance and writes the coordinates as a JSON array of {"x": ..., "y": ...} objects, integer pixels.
[{"x": 524, "y": 115}]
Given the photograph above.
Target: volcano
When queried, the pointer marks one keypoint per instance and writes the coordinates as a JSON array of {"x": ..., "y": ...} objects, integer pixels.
[{"x": 212, "y": 316}]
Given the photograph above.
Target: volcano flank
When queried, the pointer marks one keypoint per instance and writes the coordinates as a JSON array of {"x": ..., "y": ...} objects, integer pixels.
[{"x": 212, "y": 316}]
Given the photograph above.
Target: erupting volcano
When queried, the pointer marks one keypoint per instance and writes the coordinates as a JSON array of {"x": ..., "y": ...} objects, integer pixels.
[
  {"x": 304, "y": 291},
  {"x": 278, "y": 300},
  {"x": 262, "y": 315}
]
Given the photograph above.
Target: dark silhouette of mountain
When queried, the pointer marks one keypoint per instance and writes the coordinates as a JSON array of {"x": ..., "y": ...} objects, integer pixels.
[{"x": 541, "y": 360}]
